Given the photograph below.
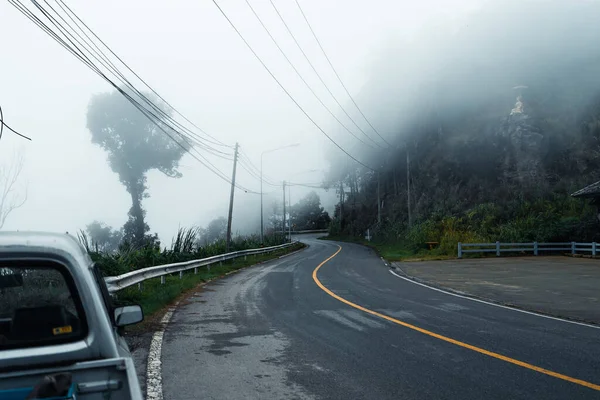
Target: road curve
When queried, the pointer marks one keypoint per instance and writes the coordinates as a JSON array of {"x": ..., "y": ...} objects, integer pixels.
[{"x": 352, "y": 330}]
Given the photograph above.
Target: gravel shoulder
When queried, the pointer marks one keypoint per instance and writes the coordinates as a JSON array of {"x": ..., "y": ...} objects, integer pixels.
[{"x": 559, "y": 286}]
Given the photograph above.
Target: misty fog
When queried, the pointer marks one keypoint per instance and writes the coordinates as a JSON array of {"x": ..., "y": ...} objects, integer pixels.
[{"x": 406, "y": 64}]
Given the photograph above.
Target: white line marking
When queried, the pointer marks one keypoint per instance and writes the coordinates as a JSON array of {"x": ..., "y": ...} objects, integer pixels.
[
  {"x": 153, "y": 368},
  {"x": 154, "y": 364},
  {"x": 494, "y": 304}
]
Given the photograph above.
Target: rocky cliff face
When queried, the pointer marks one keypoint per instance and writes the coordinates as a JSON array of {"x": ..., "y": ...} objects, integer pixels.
[{"x": 523, "y": 145}]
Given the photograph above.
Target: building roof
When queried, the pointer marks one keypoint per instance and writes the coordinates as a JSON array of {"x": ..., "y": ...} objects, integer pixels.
[{"x": 592, "y": 190}]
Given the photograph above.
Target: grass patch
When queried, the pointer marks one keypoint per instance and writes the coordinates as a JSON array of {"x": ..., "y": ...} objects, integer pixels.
[{"x": 154, "y": 296}]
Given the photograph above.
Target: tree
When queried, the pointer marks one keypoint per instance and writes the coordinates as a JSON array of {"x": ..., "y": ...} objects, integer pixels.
[
  {"x": 134, "y": 145},
  {"x": 308, "y": 214},
  {"x": 103, "y": 237},
  {"x": 10, "y": 198},
  {"x": 215, "y": 231}
]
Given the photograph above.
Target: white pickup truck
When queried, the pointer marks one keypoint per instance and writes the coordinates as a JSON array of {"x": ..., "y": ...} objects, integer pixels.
[{"x": 59, "y": 335}]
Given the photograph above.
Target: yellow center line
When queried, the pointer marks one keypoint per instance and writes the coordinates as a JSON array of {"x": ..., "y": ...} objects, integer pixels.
[{"x": 445, "y": 338}]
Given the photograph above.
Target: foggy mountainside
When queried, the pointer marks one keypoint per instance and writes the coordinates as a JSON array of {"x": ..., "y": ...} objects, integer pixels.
[{"x": 501, "y": 122}]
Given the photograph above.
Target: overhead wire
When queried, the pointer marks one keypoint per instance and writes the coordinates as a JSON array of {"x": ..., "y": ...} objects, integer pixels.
[
  {"x": 302, "y": 78},
  {"x": 75, "y": 50},
  {"x": 78, "y": 53},
  {"x": 284, "y": 89},
  {"x": 257, "y": 173},
  {"x": 72, "y": 14},
  {"x": 102, "y": 58},
  {"x": 337, "y": 75},
  {"x": 257, "y": 177},
  {"x": 4, "y": 124},
  {"x": 318, "y": 74}
]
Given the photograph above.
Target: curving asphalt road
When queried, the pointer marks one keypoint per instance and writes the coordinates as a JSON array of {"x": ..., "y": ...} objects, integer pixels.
[{"x": 352, "y": 330}]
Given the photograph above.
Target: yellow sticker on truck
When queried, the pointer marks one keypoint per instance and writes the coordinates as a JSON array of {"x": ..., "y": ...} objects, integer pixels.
[{"x": 62, "y": 330}]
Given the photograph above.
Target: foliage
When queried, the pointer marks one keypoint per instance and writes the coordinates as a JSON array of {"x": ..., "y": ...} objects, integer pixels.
[
  {"x": 465, "y": 160},
  {"x": 215, "y": 231},
  {"x": 185, "y": 246},
  {"x": 101, "y": 237},
  {"x": 308, "y": 214},
  {"x": 134, "y": 145}
]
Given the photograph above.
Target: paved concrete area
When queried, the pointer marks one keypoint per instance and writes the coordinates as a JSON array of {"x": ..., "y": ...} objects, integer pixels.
[{"x": 559, "y": 286}]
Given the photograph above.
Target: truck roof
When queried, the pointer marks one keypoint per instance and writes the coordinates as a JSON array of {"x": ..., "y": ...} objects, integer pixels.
[{"x": 61, "y": 244}]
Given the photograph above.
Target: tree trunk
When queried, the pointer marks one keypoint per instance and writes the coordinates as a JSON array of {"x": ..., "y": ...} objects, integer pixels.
[{"x": 137, "y": 216}]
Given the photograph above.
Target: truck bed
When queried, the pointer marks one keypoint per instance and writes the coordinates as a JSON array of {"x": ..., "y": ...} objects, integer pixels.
[{"x": 99, "y": 379}]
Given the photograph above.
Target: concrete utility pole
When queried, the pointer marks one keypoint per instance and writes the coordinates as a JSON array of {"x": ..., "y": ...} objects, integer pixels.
[
  {"x": 283, "y": 224},
  {"x": 228, "y": 240},
  {"x": 290, "y": 207},
  {"x": 378, "y": 200},
  {"x": 408, "y": 186},
  {"x": 341, "y": 203},
  {"x": 262, "y": 225}
]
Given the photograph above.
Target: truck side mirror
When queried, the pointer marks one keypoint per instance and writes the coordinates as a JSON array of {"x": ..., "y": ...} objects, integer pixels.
[{"x": 128, "y": 315}]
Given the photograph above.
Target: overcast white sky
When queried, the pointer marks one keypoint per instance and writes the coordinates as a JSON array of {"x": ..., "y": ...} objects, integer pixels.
[{"x": 192, "y": 57}]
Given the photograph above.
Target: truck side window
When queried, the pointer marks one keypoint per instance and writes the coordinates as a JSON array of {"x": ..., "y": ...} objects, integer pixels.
[
  {"x": 106, "y": 298},
  {"x": 39, "y": 305}
]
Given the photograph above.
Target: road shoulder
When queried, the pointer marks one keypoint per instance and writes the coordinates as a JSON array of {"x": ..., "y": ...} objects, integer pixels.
[{"x": 557, "y": 286}]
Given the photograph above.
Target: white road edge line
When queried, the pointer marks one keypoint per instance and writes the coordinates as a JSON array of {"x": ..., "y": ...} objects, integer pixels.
[
  {"x": 154, "y": 364},
  {"x": 494, "y": 304},
  {"x": 153, "y": 367}
]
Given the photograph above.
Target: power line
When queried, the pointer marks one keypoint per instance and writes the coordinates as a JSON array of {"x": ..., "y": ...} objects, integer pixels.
[
  {"x": 317, "y": 73},
  {"x": 101, "y": 57},
  {"x": 4, "y": 124},
  {"x": 337, "y": 75},
  {"x": 284, "y": 89},
  {"x": 256, "y": 171},
  {"x": 302, "y": 78},
  {"x": 215, "y": 140},
  {"x": 148, "y": 113},
  {"x": 77, "y": 52},
  {"x": 257, "y": 177},
  {"x": 308, "y": 185}
]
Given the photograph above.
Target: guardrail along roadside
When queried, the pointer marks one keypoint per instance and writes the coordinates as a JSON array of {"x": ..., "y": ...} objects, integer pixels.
[
  {"x": 116, "y": 283},
  {"x": 534, "y": 247}
]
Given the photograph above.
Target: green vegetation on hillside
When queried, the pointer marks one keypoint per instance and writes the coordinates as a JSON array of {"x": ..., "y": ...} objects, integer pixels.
[{"x": 485, "y": 150}]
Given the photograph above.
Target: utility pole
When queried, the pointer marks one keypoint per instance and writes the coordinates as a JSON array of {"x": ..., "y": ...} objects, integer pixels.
[
  {"x": 378, "y": 200},
  {"x": 283, "y": 224},
  {"x": 408, "y": 186},
  {"x": 262, "y": 226},
  {"x": 341, "y": 203},
  {"x": 228, "y": 240},
  {"x": 290, "y": 207}
]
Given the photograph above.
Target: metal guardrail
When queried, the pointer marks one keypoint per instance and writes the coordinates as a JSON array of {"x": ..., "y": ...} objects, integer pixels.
[
  {"x": 116, "y": 283},
  {"x": 535, "y": 247}
]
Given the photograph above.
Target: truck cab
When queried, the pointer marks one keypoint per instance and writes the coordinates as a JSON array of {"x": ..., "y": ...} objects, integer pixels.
[{"x": 57, "y": 320}]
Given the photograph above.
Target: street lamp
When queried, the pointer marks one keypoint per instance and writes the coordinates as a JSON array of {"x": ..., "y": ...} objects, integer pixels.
[{"x": 262, "y": 226}]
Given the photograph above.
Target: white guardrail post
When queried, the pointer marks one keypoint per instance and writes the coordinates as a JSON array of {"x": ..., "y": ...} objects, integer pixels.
[
  {"x": 594, "y": 249},
  {"x": 459, "y": 250},
  {"x": 497, "y": 249},
  {"x": 572, "y": 248},
  {"x": 535, "y": 248}
]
